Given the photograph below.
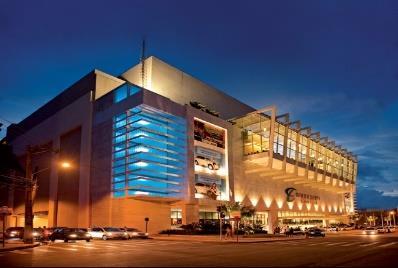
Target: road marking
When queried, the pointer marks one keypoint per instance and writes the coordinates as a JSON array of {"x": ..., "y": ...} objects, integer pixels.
[
  {"x": 387, "y": 245},
  {"x": 368, "y": 245},
  {"x": 19, "y": 252},
  {"x": 349, "y": 244},
  {"x": 335, "y": 244},
  {"x": 83, "y": 246},
  {"x": 70, "y": 249},
  {"x": 43, "y": 249}
]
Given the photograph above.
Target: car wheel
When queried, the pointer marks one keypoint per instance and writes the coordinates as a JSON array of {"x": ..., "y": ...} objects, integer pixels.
[
  {"x": 104, "y": 237},
  {"x": 210, "y": 166},
  {"x": 52, "y": 240},
  {"x": 66, "y": 240},
  {"x": 196, "y": 162},
  {"x": 87, "y": 240}
]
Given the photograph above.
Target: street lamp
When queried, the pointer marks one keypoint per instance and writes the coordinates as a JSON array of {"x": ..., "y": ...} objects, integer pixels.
[
  {"x": 66, "y": 165},
  {"x": 393, "y": 216},
  {"x": 31, "y": 186}
]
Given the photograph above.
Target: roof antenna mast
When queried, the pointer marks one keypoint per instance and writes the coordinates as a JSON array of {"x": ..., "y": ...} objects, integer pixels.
[{"x": 143, "y": 82}]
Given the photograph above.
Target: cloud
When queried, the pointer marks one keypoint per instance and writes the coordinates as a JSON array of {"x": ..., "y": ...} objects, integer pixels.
[{"x": 370, "y": 198}]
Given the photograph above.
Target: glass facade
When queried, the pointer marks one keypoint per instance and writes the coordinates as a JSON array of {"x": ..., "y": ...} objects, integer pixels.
[
  {"x": 149, "y": 153},
  {"x": 124, "y": 91},
  {"x": 319, "y": 156}
]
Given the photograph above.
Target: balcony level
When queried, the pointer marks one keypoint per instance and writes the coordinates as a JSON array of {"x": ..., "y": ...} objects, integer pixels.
[{"x": 298, "y": 155}]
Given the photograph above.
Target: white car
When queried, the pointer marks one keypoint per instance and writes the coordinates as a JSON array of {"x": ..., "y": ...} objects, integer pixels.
[
  {"x": 135, "y": 233},
  {"x": 206, "y": 162},
  {"x": 390, "y": 229},
  {"x": 108, "y": 233},
  {"x": 381, "y": 229},
  {"x": 370, "y": 231}
]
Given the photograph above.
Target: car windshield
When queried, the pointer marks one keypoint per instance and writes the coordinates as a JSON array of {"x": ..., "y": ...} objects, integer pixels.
[
  {"x": 370, "y": 228},
  {"x": 111, "y": 229},
  {"x": 132, "y": 230}
]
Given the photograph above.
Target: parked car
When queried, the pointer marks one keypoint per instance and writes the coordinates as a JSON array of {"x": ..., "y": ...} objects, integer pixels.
[
  {"x": 333, "y": 229},
  {"x": 206, "y": 162},
  {"x": 38, "y": 233},
  {"x": 108, "y": 233},
  {"x": 315, "y": 232},
  {"x": 15, "y": 232},
  {"x": 48, "y": 231},
  {"x": 135, "y": 233},
  {"x": 390, "y": 229},
  {"x": 298, "y": 231},
  {"x": 68, "y": 234},
  {"x": 381, "y": 229},
  {"x": 370, "y": 231}
]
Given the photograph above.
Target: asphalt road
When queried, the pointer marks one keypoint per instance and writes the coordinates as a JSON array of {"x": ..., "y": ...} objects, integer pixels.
[{"x": 334, "y": 250}]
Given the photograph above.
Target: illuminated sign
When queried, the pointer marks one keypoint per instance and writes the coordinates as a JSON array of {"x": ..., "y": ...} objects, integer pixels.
[{"x": 292, "y": 194}]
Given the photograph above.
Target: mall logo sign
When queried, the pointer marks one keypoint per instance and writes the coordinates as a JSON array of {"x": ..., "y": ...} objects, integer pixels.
[{"x": 291, "y": 194}]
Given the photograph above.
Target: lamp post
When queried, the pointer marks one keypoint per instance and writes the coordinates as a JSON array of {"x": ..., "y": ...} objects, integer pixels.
[
  {"x": 30, "y": 187},
  {"x": 393, "y": 216}
]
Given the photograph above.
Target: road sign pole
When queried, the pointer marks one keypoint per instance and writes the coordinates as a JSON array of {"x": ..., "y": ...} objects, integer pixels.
[
  {"x": 4, "y": 232},
  {"x": 237, "y": 231}
]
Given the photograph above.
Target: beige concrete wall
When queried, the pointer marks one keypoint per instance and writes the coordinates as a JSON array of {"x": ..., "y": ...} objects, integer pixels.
[
  {"x": 104, "y": 83},
  {"x": 76, "y": 114},
  {"x": 182, "y": 88}
]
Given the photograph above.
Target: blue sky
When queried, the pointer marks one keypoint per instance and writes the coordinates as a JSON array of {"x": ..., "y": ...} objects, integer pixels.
[{"x": 332, "y": 64}]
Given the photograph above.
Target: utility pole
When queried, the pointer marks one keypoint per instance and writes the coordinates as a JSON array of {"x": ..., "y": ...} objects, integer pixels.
[{"x": 28, "y": 238}]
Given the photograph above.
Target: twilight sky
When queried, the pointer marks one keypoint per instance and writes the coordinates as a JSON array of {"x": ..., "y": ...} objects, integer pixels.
[{"x": 332, "y": 64}]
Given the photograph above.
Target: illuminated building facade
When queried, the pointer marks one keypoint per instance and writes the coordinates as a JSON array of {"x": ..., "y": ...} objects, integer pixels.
[{"x": 169, "y": 147}]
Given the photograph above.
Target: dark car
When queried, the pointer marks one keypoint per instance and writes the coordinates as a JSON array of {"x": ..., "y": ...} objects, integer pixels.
[
  {"x": 48, "y": 231},
  {"x": 315, "y": 232},
  {"x": 38, "y": 233},
  {"x": 15, "y": 232},
  {"x": 298, "y": 231},
  {"x": 68, "y": 234}
]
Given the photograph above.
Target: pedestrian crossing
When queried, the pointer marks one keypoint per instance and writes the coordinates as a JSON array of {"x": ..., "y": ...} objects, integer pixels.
[
  {"x": 338, "y": 244},
  {"x": 110, "y": 247}
]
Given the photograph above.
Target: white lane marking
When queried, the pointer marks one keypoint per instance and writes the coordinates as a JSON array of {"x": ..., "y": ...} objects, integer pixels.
[
  {"x": 387, "y": 245},
  {"x": 43, "y": 249},
  {"x": 335, "y": 244},
  {"x": 70, "y": 249},
  {"x": 83, "y": 246},
  {"x": 369, "y": 244},
  {"x": 350, "y": 244},
  {"x": 19, "y": 252}
]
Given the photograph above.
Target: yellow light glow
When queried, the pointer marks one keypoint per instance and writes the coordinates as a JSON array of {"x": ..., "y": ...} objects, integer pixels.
[
  {"x": 290, "y": 205},
  {"x": 279, "y": 202},
  {"x": 300, "y": 205},
  {"x": 66, "y": 164},
  {"x": 238, "y": 197},
  {"x": 254, "y": 200},
  {"x": 308, "y": 205},
  {"x": 268, "y": 202}
]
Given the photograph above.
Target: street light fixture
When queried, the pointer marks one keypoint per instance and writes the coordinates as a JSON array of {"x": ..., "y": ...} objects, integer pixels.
[
  {"x": 66, "y": 165},
  {"x": 393, "y": 216},
  {"x": 31, "y": 187}
]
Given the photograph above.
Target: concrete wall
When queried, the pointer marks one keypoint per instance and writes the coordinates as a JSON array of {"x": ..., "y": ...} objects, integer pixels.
[
  {"x": 182, "y": 88},
  {"x": 75, "y": 115}
]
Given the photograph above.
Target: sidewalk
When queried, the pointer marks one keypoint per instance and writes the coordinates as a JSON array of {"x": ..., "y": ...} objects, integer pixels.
[
  {"x": 15, "y": 245},
  {"x": 216, "y": 238}
]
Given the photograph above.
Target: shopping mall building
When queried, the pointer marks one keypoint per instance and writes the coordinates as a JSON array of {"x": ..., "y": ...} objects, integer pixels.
[{"x": 157, "y": 143}]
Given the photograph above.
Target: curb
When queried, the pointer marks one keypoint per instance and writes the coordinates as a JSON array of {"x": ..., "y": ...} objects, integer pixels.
[{"x": 18, "y": 248}]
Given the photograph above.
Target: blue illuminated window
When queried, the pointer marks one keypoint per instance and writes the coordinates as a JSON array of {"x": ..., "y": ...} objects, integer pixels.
[
  {"x": 123, "y": 92},
  {"x": 149, "y": 153}
]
